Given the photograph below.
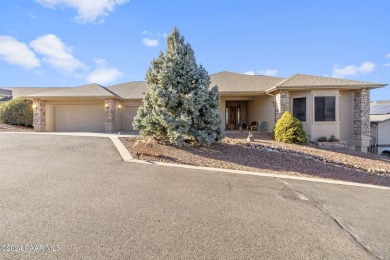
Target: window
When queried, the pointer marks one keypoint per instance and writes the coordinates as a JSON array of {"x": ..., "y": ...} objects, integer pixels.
[
  {"x": 325, "y": 109},
  {"x": 299, "y": 108}
]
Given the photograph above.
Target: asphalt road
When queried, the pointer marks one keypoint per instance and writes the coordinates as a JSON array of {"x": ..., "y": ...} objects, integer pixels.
[{"x": 73, "y": 198}]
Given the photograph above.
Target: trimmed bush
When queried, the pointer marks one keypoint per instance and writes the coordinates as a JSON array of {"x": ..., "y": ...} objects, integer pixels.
[
  {"x": 322, "y": 139},
  {"x": 289, "y": 129},
  {"x": 333, "y": 139},
  {"x": 17, "y": 112}
]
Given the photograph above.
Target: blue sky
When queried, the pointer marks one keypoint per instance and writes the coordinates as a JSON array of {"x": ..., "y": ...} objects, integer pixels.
[{"x": 53, "y": 43}]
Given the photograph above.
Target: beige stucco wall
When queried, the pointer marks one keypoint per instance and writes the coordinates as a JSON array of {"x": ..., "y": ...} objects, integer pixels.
[
  {"x": 262, "y": 109},
  {"x": 342, "y": 127},
  {"x": 384, "y": 135},
  {"x": 129, "y": 107},
  {"x": 380, "y": 134},
  {"x": 118, "y": 115},
  {"x": 346, "y": 116},
  {"x": 50, "y": 104},
  {"x": 259, "y": 108},
  {"x": 326, "y": 128}
]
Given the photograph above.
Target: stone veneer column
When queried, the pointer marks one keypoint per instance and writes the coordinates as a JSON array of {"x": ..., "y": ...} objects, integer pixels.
[
  {"x": 39, "y": 113},
  {"x": 361, "y": 128},
  {"x": 281, "y": 104},
  {"x": 109, "y": 123}
]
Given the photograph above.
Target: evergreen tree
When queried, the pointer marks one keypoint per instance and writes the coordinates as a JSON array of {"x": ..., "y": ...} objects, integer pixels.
[{"x": 180, "y": 106}]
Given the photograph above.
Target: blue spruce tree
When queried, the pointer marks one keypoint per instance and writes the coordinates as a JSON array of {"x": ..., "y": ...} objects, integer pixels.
[{"x": 180, "y": 106}]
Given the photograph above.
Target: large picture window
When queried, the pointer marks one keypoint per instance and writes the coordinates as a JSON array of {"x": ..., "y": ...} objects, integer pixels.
[
  {"x": 299, "y": 108},
  {"x": 325, "y": 109}
]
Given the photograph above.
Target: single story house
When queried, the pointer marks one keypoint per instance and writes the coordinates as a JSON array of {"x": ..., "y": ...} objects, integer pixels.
[
  {"x": 5, "y": 95},
  {"x": 380, "y": 126},
  {"x": 326, "y": 106}
]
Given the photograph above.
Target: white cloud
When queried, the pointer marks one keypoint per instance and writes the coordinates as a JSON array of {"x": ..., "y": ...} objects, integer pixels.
[
  {"x": 88, "y": 10},
  {"x": 353, "y": 70},
  {"x": 56, "y": 53},
  {"x": 165, "y": 35},
  {"x": 146, "y": 32},
  {"x": 388, "y": 56},
  {"x": 103, "y": 75},
  {"x": 387, "y": 65},
  {"x": 150, "y": 42},
  {"x": 17, "y": 53},
  {"x": 100, "y": 62},
  {"x": 262, "y": 72},
  {"x": 268, "y": 72}
]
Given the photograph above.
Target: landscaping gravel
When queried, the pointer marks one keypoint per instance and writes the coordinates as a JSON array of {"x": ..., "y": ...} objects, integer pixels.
[
  {"x": 14, "y": 128},
  {"x": 270, "y": 156}
]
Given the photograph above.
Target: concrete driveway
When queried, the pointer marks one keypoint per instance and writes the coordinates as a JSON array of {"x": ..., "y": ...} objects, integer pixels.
[{"x": 66, "y": 197}]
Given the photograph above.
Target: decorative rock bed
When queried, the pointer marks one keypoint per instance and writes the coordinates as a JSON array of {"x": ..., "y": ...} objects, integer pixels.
[
  {"x": 268, "y": 156},
  {"x": 337, "y": 163}
]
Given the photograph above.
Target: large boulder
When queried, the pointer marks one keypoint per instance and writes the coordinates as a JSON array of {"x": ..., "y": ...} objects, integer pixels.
[{"x": 148, "y": 147}]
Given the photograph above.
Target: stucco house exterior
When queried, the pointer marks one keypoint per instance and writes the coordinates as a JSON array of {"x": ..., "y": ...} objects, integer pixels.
[
  {"x": 326, "y": 106},
  {"x": 380, "y": 126},
  {"x": 5, "y": 95}
]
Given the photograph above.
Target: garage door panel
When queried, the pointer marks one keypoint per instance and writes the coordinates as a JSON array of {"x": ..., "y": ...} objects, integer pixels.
[
  {"x": 128, "y": 117},
  {"x": 79, "y": 119}
]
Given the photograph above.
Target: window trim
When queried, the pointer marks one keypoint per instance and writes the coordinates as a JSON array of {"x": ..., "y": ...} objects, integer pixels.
[{"x": 336, "y": 109}]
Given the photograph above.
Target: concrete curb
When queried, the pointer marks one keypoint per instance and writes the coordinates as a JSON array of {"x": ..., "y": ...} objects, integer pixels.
[
  {"x": 73, "y": 134},
  {"x": 126, "y": 155}
]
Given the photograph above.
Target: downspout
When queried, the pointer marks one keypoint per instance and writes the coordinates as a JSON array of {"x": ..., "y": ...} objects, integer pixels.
[
  {"x": 273, "y": 103},
  {"x": 377, "y": 137}
]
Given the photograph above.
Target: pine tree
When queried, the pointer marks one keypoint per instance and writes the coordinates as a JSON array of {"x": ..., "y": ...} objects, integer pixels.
[{"x": 180, "y": 106}]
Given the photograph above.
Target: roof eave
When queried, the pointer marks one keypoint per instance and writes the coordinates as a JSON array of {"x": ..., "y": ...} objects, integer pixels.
[
  {"x": 373, "y": 86},
  {"x": 70, "y": 97},
  {"x": 241, "y": 93}
]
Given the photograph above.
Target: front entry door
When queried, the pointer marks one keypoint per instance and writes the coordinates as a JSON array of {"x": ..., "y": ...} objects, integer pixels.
[{"x": 232, "y": 116}]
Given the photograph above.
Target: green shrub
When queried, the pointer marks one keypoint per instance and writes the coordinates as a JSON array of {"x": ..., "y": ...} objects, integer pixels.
[
  {"x": 289, "y": 129},
  {"x": 333, "y": 138},
  {"x": 17, "y": 112},
  {"x": 322, "y": 139}
]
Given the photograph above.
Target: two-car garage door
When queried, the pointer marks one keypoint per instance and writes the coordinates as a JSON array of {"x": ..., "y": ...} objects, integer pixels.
[{"x": 82, "y": 118}]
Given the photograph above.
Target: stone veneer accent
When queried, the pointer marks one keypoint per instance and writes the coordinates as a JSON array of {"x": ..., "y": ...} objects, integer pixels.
[
  {"x": 361, "y": 129},
  {"x": 340, "y": 144},
  {"x": 281, "y": 104},
  {"x": 109, "y": 123},
  {"x": 39, "y": 113}
]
